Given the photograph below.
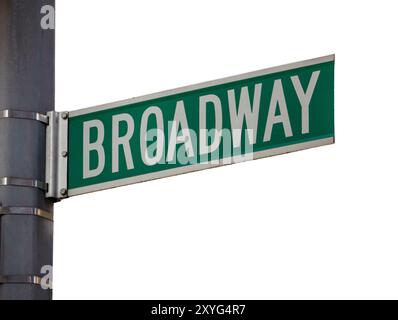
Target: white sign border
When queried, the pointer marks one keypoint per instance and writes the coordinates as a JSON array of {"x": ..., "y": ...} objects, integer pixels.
[
  {"x": 197, "y": 167},
  {"x": 203, "y": 85}
]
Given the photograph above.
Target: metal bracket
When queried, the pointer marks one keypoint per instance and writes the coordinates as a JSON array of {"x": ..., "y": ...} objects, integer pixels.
[
  {"x": 16, "y": 279},
  {"x": 15, "y": 114},
  {"x": 21, "y": 182},
  {"x": 26, "y": 211},
  {"x": 57, "y": 155}
]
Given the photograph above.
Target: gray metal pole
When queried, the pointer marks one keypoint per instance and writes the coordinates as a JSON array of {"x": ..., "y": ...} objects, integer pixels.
[{"x": 27, "y": 85}]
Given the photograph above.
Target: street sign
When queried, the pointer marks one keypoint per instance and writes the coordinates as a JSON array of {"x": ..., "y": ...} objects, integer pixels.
[{"x": 250, "y": 116}]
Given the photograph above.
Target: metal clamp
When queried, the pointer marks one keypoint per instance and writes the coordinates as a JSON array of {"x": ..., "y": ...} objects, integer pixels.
[
  {"x": 26, "y": 211},
  {"x": 21, "y": 182},
  {"x": 16, "y": 279},
  {"x": 26, "y": 115},
  {"x": 57, "y": 155}
]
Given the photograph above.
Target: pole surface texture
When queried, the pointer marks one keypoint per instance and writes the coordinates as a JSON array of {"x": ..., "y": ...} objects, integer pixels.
[{"x": 27, "y": 54}]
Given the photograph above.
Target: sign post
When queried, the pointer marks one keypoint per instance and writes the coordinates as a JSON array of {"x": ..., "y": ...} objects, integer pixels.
[
  {"x": 26, "y": 95},
  {"x": 250, "y": 116}
]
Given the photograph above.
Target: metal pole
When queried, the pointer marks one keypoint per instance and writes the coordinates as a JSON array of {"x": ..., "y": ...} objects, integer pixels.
[{"x": 26, "y": 94}]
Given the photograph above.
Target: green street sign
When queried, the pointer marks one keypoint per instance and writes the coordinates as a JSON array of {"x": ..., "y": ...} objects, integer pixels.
[{"x": 250, "y": 116}]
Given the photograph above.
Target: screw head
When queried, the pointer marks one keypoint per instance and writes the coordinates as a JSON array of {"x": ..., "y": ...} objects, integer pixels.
[
  {"x": 64, "y": 154},
  {"x": 65, "y": 115},
  {"x": 64, "y": 192}
]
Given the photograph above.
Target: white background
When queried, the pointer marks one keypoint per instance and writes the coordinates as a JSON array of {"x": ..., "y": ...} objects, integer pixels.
[{"x": 319, "y": 223}]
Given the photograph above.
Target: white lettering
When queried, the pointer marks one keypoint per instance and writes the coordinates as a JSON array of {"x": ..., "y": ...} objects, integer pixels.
[
  {"x": 277, "y": 98},
  {"x": 123, "y": 141},
  {"x": 150, "y": 161},
  {"x": 305, "y": 99},
  {"x": 250, "y": 113},
  {"x": 96, "y": 146},
  {"x": 204, "y": 147},
  {"x": 180, "y": 119}
]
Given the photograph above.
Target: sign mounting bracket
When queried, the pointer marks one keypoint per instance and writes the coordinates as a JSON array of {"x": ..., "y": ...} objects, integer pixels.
[{"x": 57, "y": 155}]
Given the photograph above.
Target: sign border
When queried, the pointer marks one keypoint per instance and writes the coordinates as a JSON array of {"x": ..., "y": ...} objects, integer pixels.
[
  {"x": 202, "y": 166},
  {"x": 198, "y": 167},
  {"x": 203, "y": 85}
]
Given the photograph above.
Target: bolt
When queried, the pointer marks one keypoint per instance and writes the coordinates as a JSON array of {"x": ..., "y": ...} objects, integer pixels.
[
  {"x": 65, "y": 115},
  {"x": 64, "y": 192},
  {"x": 64, "y": 154}
]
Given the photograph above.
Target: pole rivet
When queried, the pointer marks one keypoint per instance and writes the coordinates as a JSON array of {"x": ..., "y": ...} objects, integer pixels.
[
  {"x": 64, "y": 154},
  {"x": 65, "y": 115},
  {"x": 64, "y": 192}
]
